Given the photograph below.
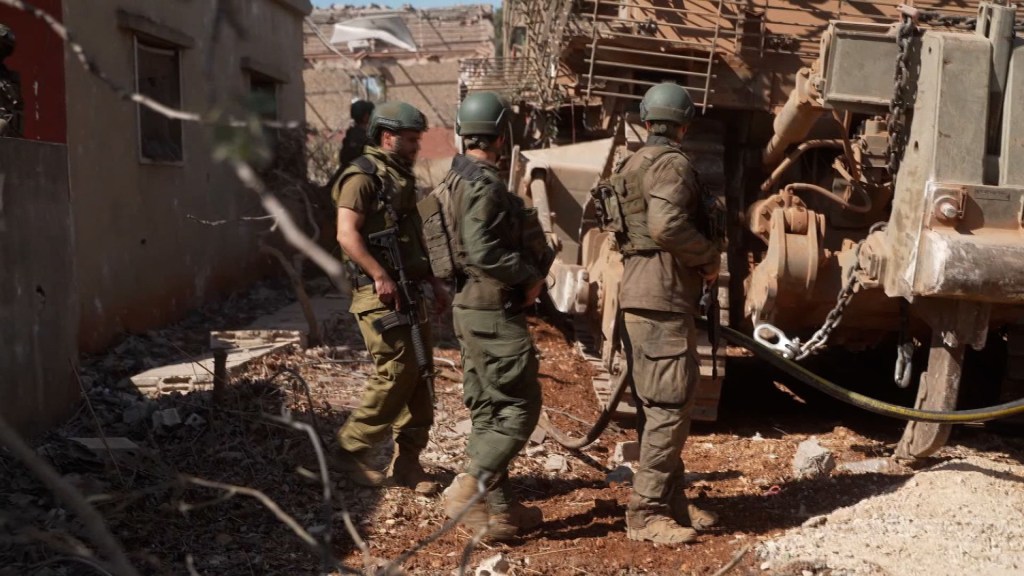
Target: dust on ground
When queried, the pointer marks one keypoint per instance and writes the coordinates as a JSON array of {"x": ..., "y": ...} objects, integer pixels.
[{"x": 948, "y": 517}]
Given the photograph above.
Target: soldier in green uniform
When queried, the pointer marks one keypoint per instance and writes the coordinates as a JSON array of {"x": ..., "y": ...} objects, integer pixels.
[
  {"x": 667, "y": 259},
  {"x": 10, "y": 88},
  {"x": 503, "y": 260},
  {"x": 377, "y": 192}
]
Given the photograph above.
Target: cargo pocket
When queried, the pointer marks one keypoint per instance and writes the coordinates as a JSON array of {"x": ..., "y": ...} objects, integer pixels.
[{"x": 665, "y": 372}]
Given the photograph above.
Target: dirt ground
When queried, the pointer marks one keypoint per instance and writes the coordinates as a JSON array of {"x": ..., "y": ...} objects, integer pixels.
[{"x": 739, "y": 466}]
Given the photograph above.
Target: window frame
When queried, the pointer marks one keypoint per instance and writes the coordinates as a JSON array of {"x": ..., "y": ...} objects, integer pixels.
[{"x": 140, "y": 41}]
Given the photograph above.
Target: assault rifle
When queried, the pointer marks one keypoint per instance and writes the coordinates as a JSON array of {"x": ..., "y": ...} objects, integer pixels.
[
  {"x": 710, "y": 310},
  {"x": 408, "y": 295}
]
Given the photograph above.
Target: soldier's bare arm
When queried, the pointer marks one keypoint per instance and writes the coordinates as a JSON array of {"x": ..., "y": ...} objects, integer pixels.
[
  {"x": 672, "y": 192},
  {"x": 350, "y": 223}
]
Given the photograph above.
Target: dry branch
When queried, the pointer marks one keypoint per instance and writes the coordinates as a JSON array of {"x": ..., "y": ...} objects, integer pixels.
[{"x": 72, "y": 498}]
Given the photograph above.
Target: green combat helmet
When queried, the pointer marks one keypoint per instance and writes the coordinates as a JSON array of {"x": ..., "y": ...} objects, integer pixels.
[
  {"x": 667, "y": 102},
  {"x": 395, "y": 117},
  {"x": 482, "y": 114}
]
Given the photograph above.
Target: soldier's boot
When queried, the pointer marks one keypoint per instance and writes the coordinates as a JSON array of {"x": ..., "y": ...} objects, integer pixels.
[
  {"x": 406, "y": 470},
  {"x": 686, "y": 514},
  {"x": 356, "y": 467},
  {"x": 513, "y": 520},
  {"x": 657, "y": 528},
  {"x": 652, "y": 522},
  {"x": 456, "y": 500}
]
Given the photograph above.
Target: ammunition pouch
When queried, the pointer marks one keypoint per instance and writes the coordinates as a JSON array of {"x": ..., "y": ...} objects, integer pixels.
[
  {"x": 439, "y": 233},
  {"x": 622, "y": 207}
]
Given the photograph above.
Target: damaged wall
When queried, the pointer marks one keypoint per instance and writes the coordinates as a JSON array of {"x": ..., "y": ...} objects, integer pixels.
[
  {"x": 142, "y": 261},
  {"x": 427, "y": 78},
  {"x": 38, "y": 308},
  {"x": 39, "y": 61}
]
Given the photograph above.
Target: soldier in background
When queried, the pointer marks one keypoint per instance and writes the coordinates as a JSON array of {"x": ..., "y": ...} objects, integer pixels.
[
  {"x": 356, "y": 136},
  {"x": 10, "y": 88}
]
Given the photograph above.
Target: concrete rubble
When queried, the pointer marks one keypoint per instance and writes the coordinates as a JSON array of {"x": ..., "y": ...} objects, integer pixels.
[{"x": 812, "y": 460}]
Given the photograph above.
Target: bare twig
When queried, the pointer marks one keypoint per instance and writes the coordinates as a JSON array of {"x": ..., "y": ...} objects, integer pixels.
[
  {"x": 467, "y": 552},
  {"x": 313, "y": 336},
  {"x": 331, "y": 47},
  {"x": 96, "y": 421},
  {"x": 482, "y": 489},
  {"x": 233, "y": 490},
  {"x": 734, "y": 562},
  {"x": 351, "y": 528},
  {"x": 75, "y": 559},
  {"x": 291, "y": 232},
  {"x": 221, "y": 222},
  {"x": 190, "y": 565},
  {"x": 72, "y": 498}
]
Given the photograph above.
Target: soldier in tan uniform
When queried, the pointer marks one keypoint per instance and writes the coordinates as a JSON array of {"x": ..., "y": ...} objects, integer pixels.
[
  {"x": 374, "y": 194},
  {"x": 667, "y": 259}
]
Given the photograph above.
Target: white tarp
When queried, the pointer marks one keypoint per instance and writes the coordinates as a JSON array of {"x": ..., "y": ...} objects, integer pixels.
[{"x": 390, "y": 29}]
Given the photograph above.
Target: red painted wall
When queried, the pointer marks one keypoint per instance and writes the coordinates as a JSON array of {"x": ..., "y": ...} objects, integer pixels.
[{"x": 39, "y": 59}]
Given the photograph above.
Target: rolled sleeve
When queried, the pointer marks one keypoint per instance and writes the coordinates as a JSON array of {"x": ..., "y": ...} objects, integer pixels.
[{"x": 673, "y": 193}]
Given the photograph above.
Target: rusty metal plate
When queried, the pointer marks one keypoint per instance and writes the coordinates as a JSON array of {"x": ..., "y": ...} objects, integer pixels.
[{"x": 860, "y": 66}]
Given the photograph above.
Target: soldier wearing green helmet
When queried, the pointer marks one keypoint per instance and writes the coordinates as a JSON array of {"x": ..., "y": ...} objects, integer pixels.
[
  {"x": 667, "y": 258},
  {"x": 501, "y": 259},
  {"x": 10, "y": 88},
  {"x": 374, "y": 194}
]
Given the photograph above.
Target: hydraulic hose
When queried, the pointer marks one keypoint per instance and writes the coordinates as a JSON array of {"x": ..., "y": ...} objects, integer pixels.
[
  {"x": 595, "y": 431},
  {"x": 804, "y": 375},
  {"x": 866, "y": 402}
]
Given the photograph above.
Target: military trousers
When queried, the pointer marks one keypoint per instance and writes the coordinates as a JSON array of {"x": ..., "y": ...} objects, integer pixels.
[
  {"x": 501, "y": 390},
  {"x": 660, "y": 351},
  {"x": 397, "y": 399}
]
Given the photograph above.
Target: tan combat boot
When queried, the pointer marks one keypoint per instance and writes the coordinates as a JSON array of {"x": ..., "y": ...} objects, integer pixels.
[
  {"x": 456, "y": 498},
  {"x": 701, "y": 519},
  {"x": 513, "y": 521},
  {"x": 407, "y": 471},
  {"x": 355, "y": 467},
  {"x": 686, "y": 514},
  {"x": 648, "y": 526}
]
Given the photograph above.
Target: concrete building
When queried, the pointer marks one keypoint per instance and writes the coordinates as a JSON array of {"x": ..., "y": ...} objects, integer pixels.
[
  {"x": 426, "y": 77},
  {"x": 132, "y": 181}
]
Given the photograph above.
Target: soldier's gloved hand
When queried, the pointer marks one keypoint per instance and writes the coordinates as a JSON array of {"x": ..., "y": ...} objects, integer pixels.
[
  {"x": 387, "y": 290},
  {"x": 441, "y": 297}
]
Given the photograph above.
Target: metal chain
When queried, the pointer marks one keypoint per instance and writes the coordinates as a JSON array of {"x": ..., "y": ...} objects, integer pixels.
[
  {"x": 795, "y": 349},
  {"x": 898, "y": 106},
  {"x": 939, "y": 19}
]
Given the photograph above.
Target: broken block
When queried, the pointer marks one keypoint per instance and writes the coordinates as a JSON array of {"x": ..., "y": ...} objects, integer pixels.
[
  {"x": 116, "y": 444},
  {"x": 166, "y": 418},
  {"x": 626, "y": 452},
  {"x": 812, "y": 460}
]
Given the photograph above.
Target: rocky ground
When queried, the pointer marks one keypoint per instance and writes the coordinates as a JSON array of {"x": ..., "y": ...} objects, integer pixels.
[{"x": 844, "y": 509}]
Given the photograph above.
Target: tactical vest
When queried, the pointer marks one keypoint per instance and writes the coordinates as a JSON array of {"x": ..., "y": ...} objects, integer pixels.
[
  {"x": 395, "y": 207},
  {"x": 439, "y": 212},
  {"x": 440, "y": 221},
  {"x": 622, "y": 207}
]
